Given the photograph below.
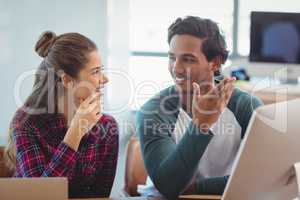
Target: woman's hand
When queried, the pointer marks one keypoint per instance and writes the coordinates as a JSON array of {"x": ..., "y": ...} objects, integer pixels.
[{"x": 85, "y": 118}]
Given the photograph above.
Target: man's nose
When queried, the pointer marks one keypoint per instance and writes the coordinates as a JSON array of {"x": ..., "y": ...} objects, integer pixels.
[{"x": 178, "y": 68}]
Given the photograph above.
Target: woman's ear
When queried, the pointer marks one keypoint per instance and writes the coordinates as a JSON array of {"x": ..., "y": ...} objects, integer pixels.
[
  {"x": 66, "y": 80},
  {"x": 215, "y": 63}
]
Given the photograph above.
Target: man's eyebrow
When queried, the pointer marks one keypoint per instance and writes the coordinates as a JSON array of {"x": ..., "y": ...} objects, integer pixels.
[{"x": 189, "y": 55}]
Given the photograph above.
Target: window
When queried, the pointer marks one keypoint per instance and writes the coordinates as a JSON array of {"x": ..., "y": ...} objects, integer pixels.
[
  {"x": 149, "y": 20},
  {"x": 150, "y": 75}
]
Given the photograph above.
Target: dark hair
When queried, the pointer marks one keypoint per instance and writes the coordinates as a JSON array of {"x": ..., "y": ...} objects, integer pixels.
[
  {"x": 66, "y": 53},
  {"x": 214, "y": 43}
]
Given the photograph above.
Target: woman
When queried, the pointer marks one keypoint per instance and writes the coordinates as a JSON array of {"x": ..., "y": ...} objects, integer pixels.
[{"x": 60, "y": 131}]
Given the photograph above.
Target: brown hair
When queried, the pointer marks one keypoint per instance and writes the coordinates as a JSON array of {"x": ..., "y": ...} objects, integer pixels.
[{"x": 66, "y": 53}]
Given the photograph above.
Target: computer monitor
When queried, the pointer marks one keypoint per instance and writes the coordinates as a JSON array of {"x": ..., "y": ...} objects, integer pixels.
[
  {"x": 275, "y": 37},
  {"x": 263, "y": 168}
]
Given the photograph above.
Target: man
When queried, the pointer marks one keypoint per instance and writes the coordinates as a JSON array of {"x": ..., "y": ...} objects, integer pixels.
[{"x": 190, "y": 133}]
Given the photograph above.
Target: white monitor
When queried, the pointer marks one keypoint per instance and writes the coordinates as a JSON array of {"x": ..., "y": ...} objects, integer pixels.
[{"x": 263, "y": 169}]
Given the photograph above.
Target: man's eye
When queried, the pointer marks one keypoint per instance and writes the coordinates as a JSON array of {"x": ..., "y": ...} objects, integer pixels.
[
  {"x": 172, "y": 58},
  {"x": 190, "y": 60}
]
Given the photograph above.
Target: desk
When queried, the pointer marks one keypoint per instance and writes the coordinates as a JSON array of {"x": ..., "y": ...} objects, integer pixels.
[
  {"x": 270, "y": 91},
  {"x": 123, "y": 198},
  {"x": 204, "y": 197},
  {"x": 183, "y": 197}
]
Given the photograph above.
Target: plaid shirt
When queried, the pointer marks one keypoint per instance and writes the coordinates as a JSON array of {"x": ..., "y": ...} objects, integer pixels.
[{"x": 41, "y": 152}]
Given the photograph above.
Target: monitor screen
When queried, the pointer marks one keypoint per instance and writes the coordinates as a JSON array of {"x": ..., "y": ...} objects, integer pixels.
[{"x": 275, "y": 37}]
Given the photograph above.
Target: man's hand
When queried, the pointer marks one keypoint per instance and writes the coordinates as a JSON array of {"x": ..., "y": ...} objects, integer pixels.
[{"x": 206, "y": 108}]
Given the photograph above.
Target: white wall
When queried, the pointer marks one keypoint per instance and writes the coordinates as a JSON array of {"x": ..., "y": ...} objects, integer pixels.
[
  {"x": 118, "y": 59},
  {"x": 21, "y": 23},
  {"x": 118, "y": 92}
]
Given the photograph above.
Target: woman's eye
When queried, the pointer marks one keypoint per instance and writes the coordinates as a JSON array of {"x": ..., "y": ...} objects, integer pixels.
[{"x": 96, "y": 72}]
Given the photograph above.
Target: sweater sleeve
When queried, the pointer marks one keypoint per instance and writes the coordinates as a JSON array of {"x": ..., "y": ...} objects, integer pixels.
[
  {"x": 243, "y": 105},
  {"x": 163, "y": 158}
]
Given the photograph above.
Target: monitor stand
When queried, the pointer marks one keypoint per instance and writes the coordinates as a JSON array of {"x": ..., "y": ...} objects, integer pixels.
[
  {"x": 289, "y": 81},
  {"x": 290, "y": 76}
]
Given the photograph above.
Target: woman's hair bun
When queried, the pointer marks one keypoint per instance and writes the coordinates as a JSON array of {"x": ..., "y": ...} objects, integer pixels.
[{"x": 45, "y": 42}]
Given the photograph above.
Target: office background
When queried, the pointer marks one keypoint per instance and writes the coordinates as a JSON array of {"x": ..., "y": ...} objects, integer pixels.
[{"x": 132, "y": 39}]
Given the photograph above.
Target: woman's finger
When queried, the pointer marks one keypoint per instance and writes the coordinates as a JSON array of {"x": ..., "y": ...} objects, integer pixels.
[
  {"x": 91, "y": 98},
  {"x": 97, "y": 98}
]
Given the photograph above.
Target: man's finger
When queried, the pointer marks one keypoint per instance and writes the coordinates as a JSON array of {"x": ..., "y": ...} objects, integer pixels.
[
  {"x": 223, "y": 87},
  {"x": 196, "y": 95},
  {"x": 196, "y": 90},
  {"x": 228, "y": 93},
  {"x": 224, "y": 82}
]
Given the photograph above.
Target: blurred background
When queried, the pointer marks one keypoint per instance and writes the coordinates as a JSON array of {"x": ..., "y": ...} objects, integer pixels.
[{"x": 132, "y": 39}]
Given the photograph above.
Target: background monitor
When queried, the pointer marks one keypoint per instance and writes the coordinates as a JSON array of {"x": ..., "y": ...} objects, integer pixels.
[{"x": 275, "y": 37}]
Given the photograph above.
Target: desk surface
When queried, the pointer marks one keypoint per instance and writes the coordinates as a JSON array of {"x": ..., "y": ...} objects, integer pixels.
[
  {"x": 202, "y": 197},
  {"x": 270, "y": 92}
]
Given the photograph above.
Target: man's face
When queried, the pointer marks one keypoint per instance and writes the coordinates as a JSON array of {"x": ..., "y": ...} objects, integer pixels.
[{"x": 187, "y": 63}]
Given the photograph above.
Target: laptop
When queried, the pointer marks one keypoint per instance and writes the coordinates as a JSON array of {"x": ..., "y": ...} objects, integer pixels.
[
  {"x": 55, "y": 188},
  {"x": 263, "y": 169}
]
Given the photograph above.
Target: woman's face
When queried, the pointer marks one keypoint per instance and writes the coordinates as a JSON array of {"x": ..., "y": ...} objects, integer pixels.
[{"x": 90, "y": 79}]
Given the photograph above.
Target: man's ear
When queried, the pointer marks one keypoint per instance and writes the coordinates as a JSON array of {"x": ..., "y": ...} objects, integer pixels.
[
  {"x": 66, "y": 80},
  {"x": 215, "y": 63}
]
